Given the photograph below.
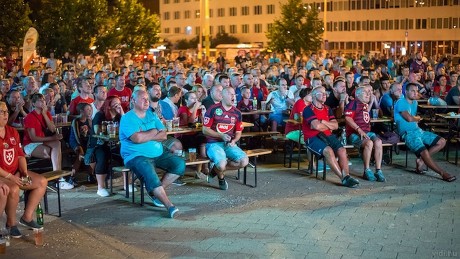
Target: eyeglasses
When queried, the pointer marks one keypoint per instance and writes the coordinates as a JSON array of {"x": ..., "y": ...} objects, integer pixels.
[
  {"x": 322, "y": 94},
  {"x": 4, "y": 112}
]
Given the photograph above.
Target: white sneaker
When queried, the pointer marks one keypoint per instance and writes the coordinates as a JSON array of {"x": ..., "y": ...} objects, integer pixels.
[
  {"x": 130, "y": 187},
  {"x": 103, "y": 193},
  {"x": 63, "y": 185}
]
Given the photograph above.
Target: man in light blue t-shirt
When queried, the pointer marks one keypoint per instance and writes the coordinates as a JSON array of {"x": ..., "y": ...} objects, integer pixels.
[
  {"x": 141, "y": 133},
  {"x": 422, "y": 143}
]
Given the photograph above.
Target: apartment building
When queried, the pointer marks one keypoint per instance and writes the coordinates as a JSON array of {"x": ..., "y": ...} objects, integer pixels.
[{"x": 390, "y": 26}]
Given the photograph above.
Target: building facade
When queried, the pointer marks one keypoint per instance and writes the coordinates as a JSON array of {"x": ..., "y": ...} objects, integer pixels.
[{"x": 387, "y": 26}]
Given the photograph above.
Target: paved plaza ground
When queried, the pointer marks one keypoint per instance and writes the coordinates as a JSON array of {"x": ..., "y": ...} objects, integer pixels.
[{"x": 289, "y": 215}]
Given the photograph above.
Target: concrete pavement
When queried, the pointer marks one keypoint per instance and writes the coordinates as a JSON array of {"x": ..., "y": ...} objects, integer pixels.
[{"x": 289, "y": 215}]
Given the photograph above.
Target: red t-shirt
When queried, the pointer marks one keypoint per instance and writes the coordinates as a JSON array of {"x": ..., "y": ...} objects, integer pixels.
[
  {"x": 186, "y": 110},
  {"x": 359, "y": 113},
  {"x": 33, "y": 120},
  {"x": 223, "y": 121},
  {"x": 437, "y": 91},
  {"x": 124, "y": 95},
  {"x": 11, "y": 150},
  {"x": 311, "y": 113},
  {"x": 76, "y": 101},
  {"x": 298, "y": 107}
]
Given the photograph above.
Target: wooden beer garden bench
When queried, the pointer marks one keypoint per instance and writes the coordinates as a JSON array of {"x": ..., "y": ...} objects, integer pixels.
[{"x": 52, "y": 176}]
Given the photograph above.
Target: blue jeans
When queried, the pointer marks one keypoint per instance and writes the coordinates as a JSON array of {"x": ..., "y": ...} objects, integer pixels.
[{"x": 144, "y": 168}]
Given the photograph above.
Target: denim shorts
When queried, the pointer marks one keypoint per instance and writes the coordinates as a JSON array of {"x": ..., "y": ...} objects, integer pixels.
[
  {"x": 219, "y": 151},
  {"x": 145, "y": 167},
  {"x": 317, "y": 146},
  {"x": 356, "y": 140},
  {"x": 278, "y": 117},
  {"x": 419, "y": 140}
]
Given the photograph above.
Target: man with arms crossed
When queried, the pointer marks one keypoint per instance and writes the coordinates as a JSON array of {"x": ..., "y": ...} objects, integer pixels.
[{"x": 141, "y": 133}]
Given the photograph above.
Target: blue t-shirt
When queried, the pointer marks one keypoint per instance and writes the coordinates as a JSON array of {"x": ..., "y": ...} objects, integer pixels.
[
  {"x": 403, "y": 125},
  {"x": 387, "y": 103},
  {"x": 131, "y": 124}
]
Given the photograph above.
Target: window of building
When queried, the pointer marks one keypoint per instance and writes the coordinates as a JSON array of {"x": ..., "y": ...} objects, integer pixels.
[
  {"x": 257, "y": 10},
  {"x": 411, "y": 24},
  {"x": 221, "y": 29},
  {"x": 257, "y": 28},
  {"x": 232, "y": 11},
  {"x": 176, "y": 1},
  {"x": 454, "y": 22},
  {"x": 245, "y": 28},
  {"x": 197, "y": 13},
  {"x": 211, "y": 30},
  {"x": 233, "y": 29},
  {"x": 365, "y": 5},
  {"x": 433, "y": 24},
  {"x": 358, "y": 5},
  {"x": 377, "y": 25},
  {"x": 336, "y": 27},
  {"x": 335, "y": 6},
  {"x": 353, "y": 26},
  {"x": 177, "y": 30},
  {"x": 403, "y": 25},
  {"x": 383, "y": 25},
  {"x": 270, "y": 9},
  {"x": 371, "y": 25},
  {"x": 390, "y": 24},
  {"x": 446, "y": 23},
  {"x": 245, "y": 10},
  {"x": 346, "y": 26},
  {"x": 166, "y": 30},
  {"x": 211, "y": 12},
  {"x": 340, "y": 7},
  {"x": 329, "y": 26},
  {"x": 186, "y": 1},
  {"x": 364, "y": 25},
  {"x": 358, "y": 25},
  {"x": 420, "y": 24},
  {"x": 176, "y": 15},
  {"x": 187, "y": 14},
  {"x": 439, "y": 23},
  {"x": 197, "y": 30},
  {"x": 165, "y": 1},
  {"x": 166, "y": 16},
  {"x": 396, "y": 24},
  {"x": 221, "y": 12}
]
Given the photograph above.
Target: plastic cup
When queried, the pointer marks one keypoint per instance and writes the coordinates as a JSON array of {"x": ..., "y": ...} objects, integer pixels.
[
  {"x": 375, "y": 113},
  {"x": 169, "y": 125},
  {"x": 64, "y": 117},
  {"x": 111, "y": 130},
  {"x": 176, "y": 122},
  {"x": 21, "y": 121},
  {"x": 55, "y": 121},
  {"x": 58, "y": 130},
  {"x": 178, "y": 153},
  {"x": 263, "y": 105},
  {"x": 38, "y": 237},
  {"x": 192, "y": 154},
  {"x": 2, "y": 246}
]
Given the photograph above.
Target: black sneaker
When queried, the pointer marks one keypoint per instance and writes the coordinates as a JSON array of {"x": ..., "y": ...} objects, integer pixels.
[
  {"x": 14, "y": 232},
  {"x": 350, "y": 182},
  {"x": 223, "y": 185},
  {"x": 31, "y": 224},
  {"x": 179, "y": 182},
  {"x": 212, "y": 173},
  {"x": 91, "y": 179},
  {"x": 72, "y": 181}
]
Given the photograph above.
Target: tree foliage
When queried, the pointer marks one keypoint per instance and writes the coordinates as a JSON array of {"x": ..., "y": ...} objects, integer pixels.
[
  {"x": 298, "y": 30},
  {"x": 131, "y": 27},
  {"x": 14, "y": 22},
  {"x": 69, "y": 25}
]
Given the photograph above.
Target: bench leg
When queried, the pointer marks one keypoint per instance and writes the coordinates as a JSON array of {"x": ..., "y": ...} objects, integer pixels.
[
  {"x": 59, "y": 199},
  {"x": 127, "y": 184},
  {"x": 324, "y": 168},
  {"x": 132, "y": 185},
  {"x": 45, "y": 200}
]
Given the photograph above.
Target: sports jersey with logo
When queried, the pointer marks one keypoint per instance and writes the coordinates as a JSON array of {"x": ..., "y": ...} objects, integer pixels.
[
  {"x": 222, "y": 121},
  {"x": 311, "y": 113},
  {"x": 358, "y": 111},
  {"x": 10, "y": 150}
]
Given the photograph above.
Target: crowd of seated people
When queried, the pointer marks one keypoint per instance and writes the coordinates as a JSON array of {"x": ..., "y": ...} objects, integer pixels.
[{"x": 323, "y": 92}]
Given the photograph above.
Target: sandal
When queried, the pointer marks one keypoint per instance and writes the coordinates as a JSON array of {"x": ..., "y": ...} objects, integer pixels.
[
  {"x": 450, "y": 178},
  {"x": 421, "y": 172}
]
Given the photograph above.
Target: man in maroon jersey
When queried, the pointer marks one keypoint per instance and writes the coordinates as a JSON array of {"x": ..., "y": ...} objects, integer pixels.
[
  {"x": 222, "y": 127},
  {"x": 359, "y": 133},
  {"x": 123, "y": 92}
]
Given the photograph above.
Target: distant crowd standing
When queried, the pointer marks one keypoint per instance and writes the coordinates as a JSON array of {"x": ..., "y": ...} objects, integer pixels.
[{"x": 326, "y": 93}]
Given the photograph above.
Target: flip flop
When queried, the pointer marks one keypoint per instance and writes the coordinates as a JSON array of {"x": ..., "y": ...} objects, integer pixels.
[{"x": 450, "y": 179}]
